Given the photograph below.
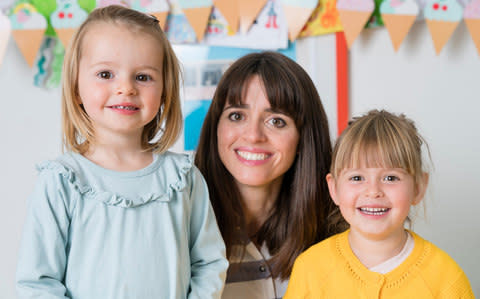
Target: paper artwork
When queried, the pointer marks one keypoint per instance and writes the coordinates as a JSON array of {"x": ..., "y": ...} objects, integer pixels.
[
  {"x": 178, "y": 28},
  {"x": 230, "y": 11},
  {"x": 157, "y": 8},
  {"x": 197, "y": 13},
  {"x": 398, "y": 16},
  {"x": 442, "y": 17},
  {"x": 323, "y": 20},
  {"x": 354, "y": 14},
  {"x": 297, "y": 13},
  {"x": 249, "y": 10},
  {"x": 471, "y": 15},
  {"x": 66, "y": 18},
  {"x": 375, "y": 19},
  {"x": 269, "y": 31},
  {"x": 5, "y": 29},
  {"x": 103, "y": 3},
  {"x": 28, "y": 28}
]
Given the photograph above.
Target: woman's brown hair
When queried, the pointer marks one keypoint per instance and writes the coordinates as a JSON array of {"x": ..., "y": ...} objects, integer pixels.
[
  {"x": 77, "y": 128},
  {"x": 300, "y": 216}
]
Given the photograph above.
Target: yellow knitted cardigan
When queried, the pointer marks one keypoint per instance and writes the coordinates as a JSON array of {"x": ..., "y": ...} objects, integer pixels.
[{"x": 330, "y": 269}]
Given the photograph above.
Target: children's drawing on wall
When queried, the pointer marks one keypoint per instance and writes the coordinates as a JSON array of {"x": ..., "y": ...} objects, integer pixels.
[
  {"x": 269, "y": 31},
  {"x": 66, "y": 18},
  {"x": 323, "y": 20}
]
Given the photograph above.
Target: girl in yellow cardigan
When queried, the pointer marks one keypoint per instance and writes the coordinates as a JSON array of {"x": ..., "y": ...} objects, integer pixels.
[{"x": 375, "y": 176}]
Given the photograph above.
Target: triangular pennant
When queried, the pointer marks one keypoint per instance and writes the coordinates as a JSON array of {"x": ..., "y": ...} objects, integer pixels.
[
  {"x": 297, "y": 14},
  {"x": 66, "y": 18},
  {"x": 198, "y": 19},
  {"x": 442, "y": 19},
  {"x": 398, "y": 17},
  {"x": 354, "y": 14},
  {"x": 471, "y": 15},
  {"x": 249, "y": 10},
  {"x": 230, "y": 11},
  {"x": 28, "y": 28}
]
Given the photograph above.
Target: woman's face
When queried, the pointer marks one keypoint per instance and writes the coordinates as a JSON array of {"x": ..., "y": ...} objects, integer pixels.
[{"x": 257, "y": 145}]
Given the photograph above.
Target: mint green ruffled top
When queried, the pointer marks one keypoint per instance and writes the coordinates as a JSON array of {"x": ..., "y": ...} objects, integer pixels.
[{"x": 95, "y": 233}]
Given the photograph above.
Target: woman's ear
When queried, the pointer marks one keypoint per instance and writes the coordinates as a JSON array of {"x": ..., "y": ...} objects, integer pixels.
[
  {"x": 420, "y": 189},
  {"x": 332, "y": 187}
]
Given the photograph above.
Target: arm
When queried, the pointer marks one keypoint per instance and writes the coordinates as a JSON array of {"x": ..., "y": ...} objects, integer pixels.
[
  {"x": 42, "y": 256},
  {"x": 207, "y": 250}
]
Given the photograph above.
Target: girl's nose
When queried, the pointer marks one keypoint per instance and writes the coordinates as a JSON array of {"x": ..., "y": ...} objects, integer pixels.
[
  {"x": 374, "y": 190},
  {"x": 254, "y": 131},
  {"x": 126, "y": 87}
]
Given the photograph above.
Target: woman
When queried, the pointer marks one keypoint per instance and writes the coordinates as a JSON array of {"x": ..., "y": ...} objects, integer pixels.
[{"x": 264, "y": 151}]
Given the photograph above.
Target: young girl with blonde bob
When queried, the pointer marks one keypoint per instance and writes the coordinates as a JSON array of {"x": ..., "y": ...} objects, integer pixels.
[
  {"x": 376, "y": 175},
  {"x": 117, "y": 215}
]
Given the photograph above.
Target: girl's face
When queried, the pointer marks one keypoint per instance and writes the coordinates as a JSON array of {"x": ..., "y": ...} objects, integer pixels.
[
  {"x": 119, "y": 80},
  {"x": 375, "y": 201},
  {"x": 256, "y": 144}
]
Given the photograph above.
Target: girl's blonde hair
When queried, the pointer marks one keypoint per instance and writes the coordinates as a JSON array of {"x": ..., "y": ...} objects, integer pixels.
[
  {"x": 380, "y": 139},
  {"x": 78, "y": 133}
]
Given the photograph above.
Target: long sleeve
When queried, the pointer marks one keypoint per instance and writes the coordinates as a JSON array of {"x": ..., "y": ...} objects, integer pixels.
[
  {"x": 207, "y": 249},
  {"x": 42, "y": 256}
]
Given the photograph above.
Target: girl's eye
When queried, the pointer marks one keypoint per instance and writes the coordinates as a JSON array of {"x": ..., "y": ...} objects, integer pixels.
[
  {"x": 277, "y": 122},
  {"x": 105, "y": 75},
  {"x": 235, "y": 116},
  {"x": 391, "y": 178},
  {"x": 144, "y": 77},
  {"x": 356, "y": 178}
]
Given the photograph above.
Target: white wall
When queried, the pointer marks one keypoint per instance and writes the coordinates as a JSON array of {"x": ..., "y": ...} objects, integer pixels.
[{"x": 440, "y": 93}]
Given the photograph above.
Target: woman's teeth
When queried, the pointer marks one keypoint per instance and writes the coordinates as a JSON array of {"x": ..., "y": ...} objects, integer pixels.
[
  {"x": 252, "y": 156},
  {"x": 374, "y": 211}
]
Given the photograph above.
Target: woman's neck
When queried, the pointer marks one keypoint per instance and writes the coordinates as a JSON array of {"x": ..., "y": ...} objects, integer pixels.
[
  {"x": 372, "y": 252},
  {"x": 258, "y": 203}
]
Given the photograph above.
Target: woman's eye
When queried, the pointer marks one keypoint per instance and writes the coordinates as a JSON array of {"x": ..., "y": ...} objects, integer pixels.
[
  {"x": 277, "y": 122},
  {"x": 105, "y": 75},
  {"x": 391, "y": 178},
  {"x": 235, "y": 116},
  {"x": 143, "y": 77}
]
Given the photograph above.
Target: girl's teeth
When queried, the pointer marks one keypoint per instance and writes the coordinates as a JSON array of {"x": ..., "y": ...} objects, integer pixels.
[
  {"x": 252, "y": 156},
  {"x": 125, "y": 107},
  {"x": 374, "y": 211}
]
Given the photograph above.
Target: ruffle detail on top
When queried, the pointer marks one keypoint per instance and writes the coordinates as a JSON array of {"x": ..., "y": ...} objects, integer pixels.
[{"x": 183, "y": 166}]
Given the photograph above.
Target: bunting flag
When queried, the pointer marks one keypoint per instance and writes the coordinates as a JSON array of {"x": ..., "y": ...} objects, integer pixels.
[
  {"x": 398, "y": 16},
  {"x": 471, "y": 15},
  {"x": 157, "y": 8},
  {"x": 5, "y": 29},
  {"x": 66, "y": 18},
  {"x": 354, "y": 14},
  {"x": 249, "y": 10},
  {"x": 230, "y": 11},
  {"x": 28, "y": 28},
  {"x": 297, "y": 13},
  {"x": 197, "y": 13},
  {"x": 323, "y": 20},
  {"x": 442, "y": 17}
]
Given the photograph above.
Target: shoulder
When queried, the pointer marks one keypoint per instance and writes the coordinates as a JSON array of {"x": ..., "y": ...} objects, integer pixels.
[
  {"x": 324, "y": 255},
  {"x": 180, "y": 170},
  {"x": 453, "y": 280}
]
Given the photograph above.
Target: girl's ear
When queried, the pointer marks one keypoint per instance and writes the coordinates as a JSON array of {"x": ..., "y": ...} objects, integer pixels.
[
  {"x": 420, "y": 189},
  {"x": 332, "y": 187}
]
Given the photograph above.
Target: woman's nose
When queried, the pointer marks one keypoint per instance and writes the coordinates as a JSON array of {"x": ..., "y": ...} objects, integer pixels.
[{"x": 255, "y": 131}]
